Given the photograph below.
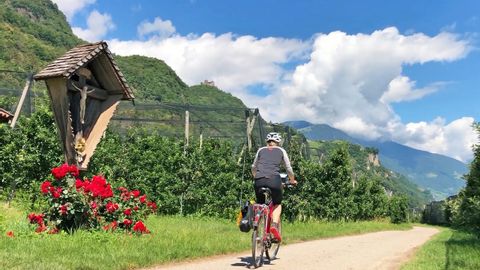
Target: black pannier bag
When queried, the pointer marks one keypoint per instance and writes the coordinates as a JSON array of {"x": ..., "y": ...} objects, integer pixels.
[{"x": 246, "y": 221}]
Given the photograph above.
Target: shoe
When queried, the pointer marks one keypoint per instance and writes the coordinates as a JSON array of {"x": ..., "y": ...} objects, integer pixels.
[{"x": 276, "y": 234}]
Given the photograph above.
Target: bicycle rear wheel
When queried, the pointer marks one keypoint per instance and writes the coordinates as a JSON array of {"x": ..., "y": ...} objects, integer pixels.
[
  {"x": 271, "y": 253},
  {"x": 258, "y": 246}
]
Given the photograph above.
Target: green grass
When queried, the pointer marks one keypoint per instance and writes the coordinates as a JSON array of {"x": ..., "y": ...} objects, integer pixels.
[
  {"x": 173, "y": 238},
  {"x": 450, "y": 249}
]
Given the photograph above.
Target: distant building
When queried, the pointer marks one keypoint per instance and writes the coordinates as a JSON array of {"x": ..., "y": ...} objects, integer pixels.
[
  {"x": 207, "y": 82},
  {"x": 5, "y": 116}
]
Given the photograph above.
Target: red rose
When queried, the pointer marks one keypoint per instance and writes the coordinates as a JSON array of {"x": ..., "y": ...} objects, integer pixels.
[
  {"x": 127, "y": 222},
  {"x": 152, "y": 205},
  {"x": 111, "y": 207},
  {"x": 135, "y": 208},
  {"x": 107, "y": 192},
  {"x": 41, "y": 228},
  {"x": 93, "y": 205},
  {"x": 127, "y": 212},
  {"x": 10, "y": 234},
  {"x": 34, "y": 218},
  {"x": 56, "y": 192},
  {"x": 60, "y": 172},
  {"x": 79, "y": 184},
  {"x": 140, "y": 227},
  {"x": 135, "y": 193},
  {"x": 73, "y": 169},
  {"x": 63, "y": 209},
  {"x": 113, "y": 225},
  {"x": 45, "y": 187},
  {"x": 143, "y": 198},
  {"x": 53, "y": 231}
]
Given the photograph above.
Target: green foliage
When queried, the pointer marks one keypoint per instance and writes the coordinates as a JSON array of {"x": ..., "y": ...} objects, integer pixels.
[
  {"x": 28, "y": 152},
  {"x": 152, "y": 79},
  {"x": 398, "y": 209},
  {"x": 198, "y": 180},
  {"x": 33, "y": 34},
  {"x": 370, "y": 199},
  {"x": 469, "y": 216},
  {"x": 362, "y": 167}
]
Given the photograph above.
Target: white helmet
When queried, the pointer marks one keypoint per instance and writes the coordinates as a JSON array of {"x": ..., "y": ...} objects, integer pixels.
[{"x": 273, "y": 136}]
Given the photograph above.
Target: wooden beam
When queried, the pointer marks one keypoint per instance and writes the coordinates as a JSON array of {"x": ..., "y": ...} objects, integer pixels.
[{"x": 27, "y": 87}]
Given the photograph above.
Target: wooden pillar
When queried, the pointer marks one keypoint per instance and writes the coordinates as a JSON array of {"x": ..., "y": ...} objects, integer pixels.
[
  {"x": 201, "y": 138},
  {"x": 26, "y": 89},
  {"x": 250, "y": 122},
  {"x": 187, "y": 128}
]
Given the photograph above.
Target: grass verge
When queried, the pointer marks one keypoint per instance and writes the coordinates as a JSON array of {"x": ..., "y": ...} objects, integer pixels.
[
  {"x": 450, "y": 249},
  {"x": 172, "y": 239}
]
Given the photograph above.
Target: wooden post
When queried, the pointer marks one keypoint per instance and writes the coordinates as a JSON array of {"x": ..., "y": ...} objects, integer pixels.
[
  {"x": 201, "y": 138},
  {"x": 27, "y": 87},
  {"x": 250, "y": 121},
  {"x": 187, "y": 125}
]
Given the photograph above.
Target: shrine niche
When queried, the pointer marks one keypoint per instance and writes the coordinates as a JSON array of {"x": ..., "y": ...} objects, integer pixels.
[
  {"x": 85, "y": 86},
  {"x": 5, "y": 116}
]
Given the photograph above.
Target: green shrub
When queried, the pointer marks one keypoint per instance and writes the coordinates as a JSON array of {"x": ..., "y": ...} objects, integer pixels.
[{"x": 398, "y": 209}]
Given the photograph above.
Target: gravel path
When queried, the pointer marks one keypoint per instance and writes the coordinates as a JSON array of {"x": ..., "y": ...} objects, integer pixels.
[{"x": 380, "y": 250}]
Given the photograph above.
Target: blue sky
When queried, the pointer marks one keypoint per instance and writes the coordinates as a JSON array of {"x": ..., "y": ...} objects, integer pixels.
[{"x": 273, "y": 53}]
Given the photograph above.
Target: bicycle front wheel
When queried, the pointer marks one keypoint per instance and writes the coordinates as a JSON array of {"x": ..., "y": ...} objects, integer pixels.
[
  {"x": 257, "y": 243},
  {"x": 271, "y": 253}
]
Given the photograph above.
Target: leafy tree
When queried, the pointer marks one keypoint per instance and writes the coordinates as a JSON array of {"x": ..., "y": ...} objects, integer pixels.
[
  {"x": 336, "y": 200},
  {"x": 370, "y": 199},
  {"x": 470, "y": 205},
  {"x": 398, "y": 209}
]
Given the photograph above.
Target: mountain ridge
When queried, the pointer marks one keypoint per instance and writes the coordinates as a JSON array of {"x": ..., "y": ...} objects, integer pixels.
[{"x": 438, "y": 173}]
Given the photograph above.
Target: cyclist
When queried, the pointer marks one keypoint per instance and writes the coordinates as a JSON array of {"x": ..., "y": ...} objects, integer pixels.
[{"x": 266, "y": 172}]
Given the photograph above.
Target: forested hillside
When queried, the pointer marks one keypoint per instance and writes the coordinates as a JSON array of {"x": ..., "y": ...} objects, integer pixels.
[{"x": 36, "y": 33}]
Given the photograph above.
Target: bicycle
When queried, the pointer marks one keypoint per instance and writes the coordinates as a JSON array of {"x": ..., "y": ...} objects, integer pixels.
[{"x": 262, "y": 240}]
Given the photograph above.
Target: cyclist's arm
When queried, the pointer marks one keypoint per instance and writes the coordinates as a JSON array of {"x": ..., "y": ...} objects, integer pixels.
[
  {"x": 288, "y": 166},
  {"x": 254, "y": 165}
]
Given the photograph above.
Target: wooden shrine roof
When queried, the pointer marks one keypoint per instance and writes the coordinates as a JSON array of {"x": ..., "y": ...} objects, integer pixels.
[{"x": 81, "y": 56}]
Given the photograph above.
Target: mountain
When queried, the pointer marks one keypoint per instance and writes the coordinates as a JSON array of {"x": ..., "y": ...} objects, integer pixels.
[
  {"x": 437, "y": 173},
  {"x": 34, "y": 33}
]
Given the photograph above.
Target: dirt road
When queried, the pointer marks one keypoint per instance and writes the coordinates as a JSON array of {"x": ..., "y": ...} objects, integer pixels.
[{"x": 380, "y": 250}]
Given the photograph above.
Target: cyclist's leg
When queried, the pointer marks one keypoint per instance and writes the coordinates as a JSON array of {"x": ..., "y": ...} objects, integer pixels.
[
  {"x": 259, "y": 183},
  {"x": 277, "y": 197}
]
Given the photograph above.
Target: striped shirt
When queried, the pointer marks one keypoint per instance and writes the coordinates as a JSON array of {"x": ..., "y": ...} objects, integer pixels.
[{"x": 268, "y": 160}]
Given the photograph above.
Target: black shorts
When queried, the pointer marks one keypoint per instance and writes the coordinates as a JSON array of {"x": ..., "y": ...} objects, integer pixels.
[{"x": 275, "y": 185}]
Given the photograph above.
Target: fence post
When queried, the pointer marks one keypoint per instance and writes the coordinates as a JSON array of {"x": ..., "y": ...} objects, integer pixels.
[
  {"x": 26, "y": 89},
  {"x": 201, "y": 138},
  {"x": 187, "y": 124},
  {"x": 250, "y": 120}
]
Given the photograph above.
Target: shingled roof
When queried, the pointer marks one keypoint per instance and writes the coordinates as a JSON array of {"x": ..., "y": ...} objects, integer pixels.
[
  {"x": 5, "y": 116},
  {"x": 81, "y": 56}
]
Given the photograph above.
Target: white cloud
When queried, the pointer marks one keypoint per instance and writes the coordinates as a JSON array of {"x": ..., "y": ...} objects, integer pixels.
[
  {"x": 454, "y": 139},
  {"x": 348, "y": 81},
  {"x": 70, "y": 7},
  {"x": 233, "y": 62},
  {"x": 159, "y": 28},
  {"x": 403, "y": 89},
  {"x": 98, "y": 25}
]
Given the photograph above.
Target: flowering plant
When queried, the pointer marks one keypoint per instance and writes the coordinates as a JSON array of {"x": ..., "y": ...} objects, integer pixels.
[{"x": 89, "y": 204}]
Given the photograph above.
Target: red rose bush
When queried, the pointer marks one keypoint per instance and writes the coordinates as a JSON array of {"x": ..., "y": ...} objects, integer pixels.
[{"x": 90, "y": 204}]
